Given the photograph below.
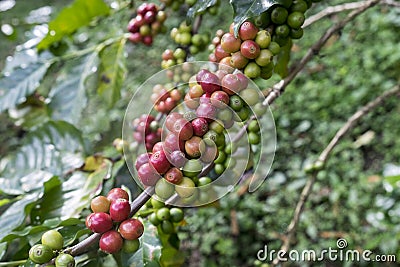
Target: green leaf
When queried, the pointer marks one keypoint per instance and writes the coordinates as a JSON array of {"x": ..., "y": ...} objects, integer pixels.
[
  {"x": 15, "y": 215},
  {"x": 283, "y": 58},
  {"x": 113, "y": 71},
  {"x": 20, "y": 83},
  {"x": 393, "y": 180},
  {"x": 3, "y": 249},
  {"x": 245, "y": 9},
  {"x": 52, "y": 149},
  {"x": 171, "y": 257},
  {"x": 69, "y": 94},
  {"x": 78, "y": 14},
  {"x": 198, "y": 8}
]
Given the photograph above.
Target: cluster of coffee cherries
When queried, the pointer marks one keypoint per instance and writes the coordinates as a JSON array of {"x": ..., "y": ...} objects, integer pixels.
[
  {"x": 51, "y": 244},
  {"x": 172, "y": 57},
  {"x": 148, "y": 22},
  {"x": 252, "y": 52},
  {"x": 146, "y": 129},
  {"x": 261, "y": 38},
  {"x": 284, "y": 21},
  {"x": 111, "y": 219},
  {"x": 165, "y": 218},
  {"x": 196, "y": 137},
  {"x": 183, "y": 35},
  {"x": 165, "y": 99}
]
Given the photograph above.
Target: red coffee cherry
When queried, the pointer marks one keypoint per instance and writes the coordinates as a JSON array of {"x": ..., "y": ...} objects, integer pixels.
[
  {"x": 111, "y": 242},
  {"x": 116, "y": 193},
  {"x": 174, "y": 175},
  {"x": 99, "y": 222},
  {"x": 148, "y": 175},
  {"x": 120, "y": 209},
  {"x": 248, "y": 31},
  {"x": 200, "y": 125},
  {"x": 131, "y": 229},
  {"x": 250, "y": 49},
  {"x": 160, "y": 162}
]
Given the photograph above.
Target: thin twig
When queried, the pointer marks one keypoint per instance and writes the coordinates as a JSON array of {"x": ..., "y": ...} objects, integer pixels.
[
  {"x": 322, "y": 159},
  {"x": 279, "y": 88},
  {"x": 333, "y": 10}
]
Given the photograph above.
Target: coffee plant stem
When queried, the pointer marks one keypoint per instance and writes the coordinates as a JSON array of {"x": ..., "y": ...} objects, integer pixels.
[
  {"x": 279, "y": 88},
  {"x": 322, "y": 159}
]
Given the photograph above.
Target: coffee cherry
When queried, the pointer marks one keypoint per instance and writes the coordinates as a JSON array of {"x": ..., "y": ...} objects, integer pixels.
[
  {"x": 299, "y": 5},
  {"x": 131, "y": 246},
  {"x": 99, "y": 222},
  {"x": 153, "y": 219},
  {"x": 119, "y": 210},
  {"x": 274, "y": 48},
  {"x": 295, "y": 20},
  {"x": 148, "y": 175},
  {"x": 247, "y": 31},
  {"x": 176, "y": 215},
  {"x": 167, "y": 227},
  {"x": 183, "y": 129},
  {"x": 131, "y": 229},
  {"x": 100, "y": 204},
  {"x": 238, "y": 61},
  {"x": 53, "y": 239},
  {"x": 229, "y": 43},
  {"x": 164, "y": 189},
  {"x": 40, "y": 253},
  {"x": 263, "y": 39},
  {"x": 158, "y": 147},
  {"x": 185, "y": 188},
  {"x": 210, "y": 83},
  {"x": 160, "y": 162},
  {"x": 250, "y": 96},
  {"x": 236, "y": 103},
  {"x": 264, "y": 58},
  {"x": 196, "y": 91},
  {"x": 209, "y": 154},
  {"x": 221, "y": 158},
  {"x": 282, "y": 30},
  {"x": 250, "y": 49},
  {"x": 163, "y": 214},
  {"x": 206, "y": 111},
  {"x": 178, "y": 158},
  {"x": 193, "y": 147},
  {"x": 192, "y": 168},
  {"x": 244, "y": 81},
  {"x": 200, "y": 125},
  {"x": 231, "y": 84},
  {"x": 252, "y": 70},
  {"x": 254, "y": 138},
  {"x": 116, "y": 193},
  {"x": 174, "y": 175},
  {"x": 219, "y": 99},
  {"x": 279, "y": 15},
  {"x": 111, "y": 242},
  {"x": 65, "y": 260},
  {"x": 296, "y": 33},
  {"x": 173, "y": 143},
  {"x": 253, "y": 126}
]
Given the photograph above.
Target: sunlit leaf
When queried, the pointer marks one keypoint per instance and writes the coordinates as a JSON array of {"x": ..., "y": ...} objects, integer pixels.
[
  {"x": 69, "y": 94},
  {"x": 20, "y": 83},
  {"x": 113, "y": 72},
  {"x": 52, "y": 149},
  {"x": 15, "y": 215},
  {"x": 78, "y": 14}
]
